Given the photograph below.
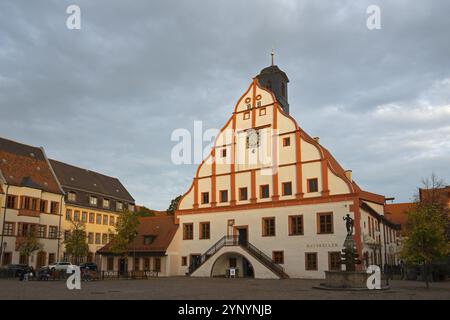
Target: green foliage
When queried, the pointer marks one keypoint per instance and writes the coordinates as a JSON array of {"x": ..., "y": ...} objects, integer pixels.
[
  {"x": 426, "y": 234},
  {"x": 30, "y": 244},
  {"x": 173, "y": 205},
  {"x": 145, "y": 212},
  {"x": 76, "y": 244},
  {"x": 126, "y": 231}
]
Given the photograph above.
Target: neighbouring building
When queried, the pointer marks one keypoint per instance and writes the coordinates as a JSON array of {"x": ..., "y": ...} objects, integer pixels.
[
  {"x": 269, "y": 200},
  {"x": 94, "y": 199},
  {"x": 153, "y": 249},
  {"x": 31, "y": 201}
]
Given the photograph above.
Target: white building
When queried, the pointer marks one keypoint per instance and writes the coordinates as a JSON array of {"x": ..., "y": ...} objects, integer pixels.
[{"x": 269, "y": 200}]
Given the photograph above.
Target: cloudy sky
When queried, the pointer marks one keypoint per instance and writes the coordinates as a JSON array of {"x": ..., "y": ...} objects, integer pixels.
[{"x": 107, "y": 97}]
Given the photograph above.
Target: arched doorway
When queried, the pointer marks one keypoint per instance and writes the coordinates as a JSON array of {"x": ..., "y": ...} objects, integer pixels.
[{"x": 228, "y": 260}]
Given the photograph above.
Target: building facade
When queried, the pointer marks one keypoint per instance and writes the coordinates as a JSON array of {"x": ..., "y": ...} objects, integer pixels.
[
  {"x": 269, "y": 200},
  {"x": 93, "y": 199},
  {"x": 31, "y": 201},
  {"x": 154, "y": 249}
]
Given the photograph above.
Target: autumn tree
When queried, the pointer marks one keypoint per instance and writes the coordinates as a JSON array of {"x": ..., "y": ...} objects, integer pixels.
[
  {"x": 426, "y": 229},
  {"x": 30, "y": 244},
  {"x": 76, "y": 244},
  {"x": 126, "y": 231}
]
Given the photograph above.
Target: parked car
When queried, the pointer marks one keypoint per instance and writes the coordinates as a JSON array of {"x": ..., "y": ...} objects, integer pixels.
[
  {"x": 89, "y": 265},
  {"x": 60, "y": 266},
  {"x": 15, "y": 270}
]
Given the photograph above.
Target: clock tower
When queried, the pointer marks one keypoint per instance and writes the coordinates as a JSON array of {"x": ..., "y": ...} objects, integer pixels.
[{"x": 276, "y": 80}]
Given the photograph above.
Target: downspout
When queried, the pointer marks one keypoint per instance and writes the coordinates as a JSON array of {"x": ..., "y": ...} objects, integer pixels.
[
  {"x": 3, "y": 226},
  {"x": 59, "y": 229}
]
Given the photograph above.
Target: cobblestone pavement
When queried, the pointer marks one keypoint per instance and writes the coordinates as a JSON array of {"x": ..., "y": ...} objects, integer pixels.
[{"x": 207, "y": 288}]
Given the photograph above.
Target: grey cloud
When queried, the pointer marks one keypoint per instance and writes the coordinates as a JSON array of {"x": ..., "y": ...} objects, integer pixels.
[{"x": 107, "y": 97}]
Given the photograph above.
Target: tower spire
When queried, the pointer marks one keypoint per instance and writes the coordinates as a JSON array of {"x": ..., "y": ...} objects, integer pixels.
[{"x": 273, "y": 56}]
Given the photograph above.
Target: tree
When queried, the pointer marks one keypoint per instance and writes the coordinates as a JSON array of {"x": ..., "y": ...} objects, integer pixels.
[
  {"x": 426, "y": 231},
  {"x": 173, "y": 205},
  {"x": 126, "y": 231},
  {"x": 145, "y": 212},
  {"x": 30, "y": 244},
  {"x": 76, "y": 244}
]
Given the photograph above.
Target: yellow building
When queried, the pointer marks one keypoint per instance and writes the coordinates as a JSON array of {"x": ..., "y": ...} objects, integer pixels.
[{"x": 94, "y": 199}]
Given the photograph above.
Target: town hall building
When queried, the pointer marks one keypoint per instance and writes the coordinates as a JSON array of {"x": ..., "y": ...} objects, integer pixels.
[{"x": 269, "y": 200}]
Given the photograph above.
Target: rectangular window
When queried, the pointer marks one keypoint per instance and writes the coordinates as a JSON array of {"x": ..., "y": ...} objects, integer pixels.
[
  {"x": 66, "y": 235},
  {"x": 68, "y": 214},
  {"x": 34, "y": 204},
  {"x": 278, "y": 257},
  {"x": 146, "y": 264},
  {"x": 91, "y": 217},
  {"x": 286, "y": 142},
  {"x": 268, "y": 227},
  {"x": 131, "y": 208},
  {"x": 51, "y": 258},
  {"x": 296, "y": 225},
  {"x": 313, "y": 185},
  {"x": 243, "y": 194},
  {"x": 205, "y": 230},
  {"x": 205, "y": 197},
  {"x": 111, "y": 220},
  {"x": 8, "y": 229},
  {"x": 98, "y": 238},
  {"x": 99, "y": 218},
  {"x": 84, "y": 216},
  {"x": 54, "y": 207},
  {"x": 184, "y": 261},
  {"x": 287, "y": 188},
  {"x": 325, "y": 223},
  {"x": 119, "y": 206},
  {"x": 11, "y": 202},
  {"x": 311, "y": 261},
  {"x": 157, "y": 264},
  {"x": 264, "y": 191},
  {"x": 148, "y": 240},
  {"x": 76, "y": 215},
  {"x": 93, "y": 201},
  {"x": 246, "y": 115},
  {"x": 105, "y": 219},
  {"x": 262, "y": 111},
  {"x": 42, "y": 230},
  {"x": 223, "y": 195},
  {"x": 53, "y": 232},
  {"x": 106, "y": 203},
  {"x": 188, "y": 231},
  {"x": 71, "y": 196},
  {"x": 224, "y": 153},
  {"x": 26, "y": 203},
  {"x": 104, "y": 238},
  {"x": 334, "y": 261},
  {"x": 110, "y": 264},
  {"x": 43, "y": 206},
  {"x": 91, "y": 238}
]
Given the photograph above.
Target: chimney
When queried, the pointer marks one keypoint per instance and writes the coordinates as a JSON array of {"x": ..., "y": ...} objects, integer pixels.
[
  {"x": 348, "y": 174},
  {"x": 317, "y": 139}
]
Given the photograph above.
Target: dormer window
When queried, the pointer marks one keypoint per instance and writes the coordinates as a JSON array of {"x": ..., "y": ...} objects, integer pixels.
[
  {"x": 119, "y": 206},
  {"x": 131, "y": 207},
  {"x": 93, "y": 201},
  {"x": 106, "y": 203},
  {"x": 72, "y": 196},
  {"x": 149, "y": 239}
]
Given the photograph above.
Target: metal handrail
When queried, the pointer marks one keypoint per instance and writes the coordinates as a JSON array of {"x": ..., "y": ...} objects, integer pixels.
[{"x": 235, "y": 241}]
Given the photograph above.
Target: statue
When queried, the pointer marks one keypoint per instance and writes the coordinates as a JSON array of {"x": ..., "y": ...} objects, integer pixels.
[{"x": 349, "y": 223}]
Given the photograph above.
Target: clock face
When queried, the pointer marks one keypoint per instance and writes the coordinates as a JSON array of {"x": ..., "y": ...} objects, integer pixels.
[{"x": 253, "y": 139}]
